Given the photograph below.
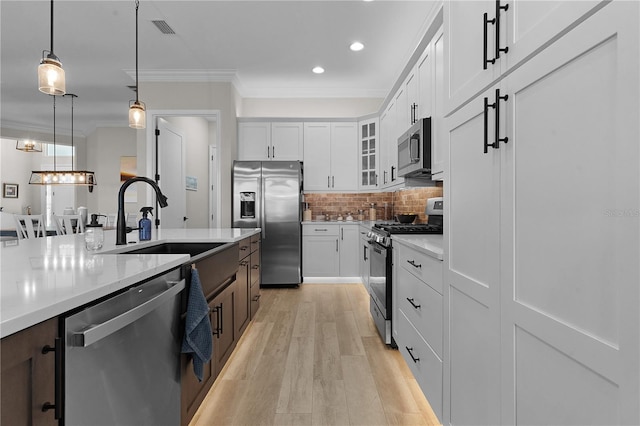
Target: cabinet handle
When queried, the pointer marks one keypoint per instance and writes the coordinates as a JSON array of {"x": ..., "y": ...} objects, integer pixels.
[
  {"x": 497, "y": 20},
  {"x": 486, "y": 60},
  {"x": 384, "y": 177},
  {"x": 410, "y": 350},
  {"x": 376, "y": 179},
  {"x": 412, "y": 301},
  {"x": 337, "y": 244},
  {"x": 486, "y": 126},
  {"x": 320, "y": 229},
  {"x": 273, "y": 152},
  {"x": 497, "y": 122},
  {"x": 342, "y": 234},
  {"x": 243, "y": 248},
  {"x": 365, "y": 253},
  {"x": 496, "y": 23},
  {"x": 333, "y": 181},
  {"x": 221, "y": 317},
  {"x": 216, "y": 331},
  {"x": 393, "y": 169},
  {"x": 255, "y": 267},
  {"x": 414, "y": 264},
  {"x": 56, "y": 406},
  {"x": 268, "y": 152},
  {"x": 328, "y": 181},
  {"x": 255, "y": 299}
]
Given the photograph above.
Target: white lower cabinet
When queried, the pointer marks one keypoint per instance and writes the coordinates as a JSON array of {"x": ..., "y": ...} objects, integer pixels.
[
  {"x": 330, "y": 250},
  {"x": 363, "y": 251},
  {"x": 418, "y": 318}
]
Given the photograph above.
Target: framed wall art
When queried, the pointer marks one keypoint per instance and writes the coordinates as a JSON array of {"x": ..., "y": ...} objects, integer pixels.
[{"x": 9, "y": 190}]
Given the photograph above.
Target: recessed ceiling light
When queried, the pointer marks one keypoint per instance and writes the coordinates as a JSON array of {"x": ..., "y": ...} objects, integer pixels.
[
  {"x": 356, "y": 46},
  {"x": 318, "y": 70}
]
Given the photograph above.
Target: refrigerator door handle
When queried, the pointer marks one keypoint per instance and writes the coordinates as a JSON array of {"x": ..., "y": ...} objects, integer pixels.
[{"x": 263, "y": 212}]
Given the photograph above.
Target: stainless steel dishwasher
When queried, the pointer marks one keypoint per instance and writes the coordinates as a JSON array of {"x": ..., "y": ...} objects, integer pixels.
[{"x": 122, "y": 357}]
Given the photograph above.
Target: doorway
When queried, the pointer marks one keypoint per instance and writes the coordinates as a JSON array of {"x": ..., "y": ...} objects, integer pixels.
[{"x": 201, "y": 132}]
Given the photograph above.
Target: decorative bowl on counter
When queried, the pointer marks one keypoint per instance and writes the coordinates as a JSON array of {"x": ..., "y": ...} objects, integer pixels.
[{"x": 406, "y": 218}]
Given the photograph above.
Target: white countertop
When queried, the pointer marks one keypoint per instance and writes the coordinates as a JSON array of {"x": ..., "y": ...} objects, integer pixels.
[
  {"x": 429, "y": 244},
  {"x": 45, "y": 277}
]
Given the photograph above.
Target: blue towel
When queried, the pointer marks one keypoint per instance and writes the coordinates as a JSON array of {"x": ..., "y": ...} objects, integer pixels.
[{"x": 198, "y": 339}]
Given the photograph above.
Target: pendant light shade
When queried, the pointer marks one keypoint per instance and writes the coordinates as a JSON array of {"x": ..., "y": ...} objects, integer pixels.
[
  {"x": 137, "y": 115},
  {"x": 51, "y": 78},
  {"x": 137, "y": 110},
  {"x": 29, "y": 145}
]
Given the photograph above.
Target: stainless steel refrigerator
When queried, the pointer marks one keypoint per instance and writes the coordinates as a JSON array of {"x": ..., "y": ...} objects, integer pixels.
[{"x": 268, "y": 195}]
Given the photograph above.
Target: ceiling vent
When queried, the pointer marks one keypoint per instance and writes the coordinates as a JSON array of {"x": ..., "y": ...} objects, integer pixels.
[{"x": 163, "y": 27}]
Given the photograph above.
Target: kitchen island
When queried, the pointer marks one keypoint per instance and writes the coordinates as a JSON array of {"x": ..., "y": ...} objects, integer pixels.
[{"x": 46, "y": 278}]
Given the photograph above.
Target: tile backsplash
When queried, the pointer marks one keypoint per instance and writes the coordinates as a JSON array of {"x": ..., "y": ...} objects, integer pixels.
[{"x": 411, "y": 200}]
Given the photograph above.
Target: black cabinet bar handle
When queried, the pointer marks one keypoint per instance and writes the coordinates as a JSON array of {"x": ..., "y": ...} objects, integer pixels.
[
  {"x": 486, "y": 21},
  {"x": 273, "y": 152},
  {"x": 487, "y": 105},
  {"x": 499, "y": 98},
  {"x": 393, "y": 169},
  {"x": 410, "y": 350},
  {"x": 412, "y": 301},
  {"x": 328, "y": 181},
  {"x": 414, "y": 264},
  {"x": 365, "y": 253},
  {"x": 498, "y": 9},
  {"x": 57, "y": 405},
  {"x": 221, "y": 317}
]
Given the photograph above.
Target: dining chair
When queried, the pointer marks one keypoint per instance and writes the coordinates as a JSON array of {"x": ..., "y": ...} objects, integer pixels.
[
  {"x": 29, "y": 225},
  {"x": 68, "y": 224}
]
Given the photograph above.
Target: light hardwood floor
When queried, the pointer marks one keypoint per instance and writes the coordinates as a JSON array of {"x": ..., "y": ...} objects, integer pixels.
[{"x": 312, "y": 356}]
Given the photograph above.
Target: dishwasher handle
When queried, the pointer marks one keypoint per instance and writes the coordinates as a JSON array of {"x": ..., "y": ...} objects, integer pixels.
[{"x": 98, "y": 332}]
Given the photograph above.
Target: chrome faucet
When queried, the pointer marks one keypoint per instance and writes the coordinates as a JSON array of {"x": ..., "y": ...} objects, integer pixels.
[{"x": 121, "y": 227}]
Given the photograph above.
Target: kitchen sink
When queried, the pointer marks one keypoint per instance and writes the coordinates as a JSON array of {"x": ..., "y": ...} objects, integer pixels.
[{"x": 195, "y": 250}]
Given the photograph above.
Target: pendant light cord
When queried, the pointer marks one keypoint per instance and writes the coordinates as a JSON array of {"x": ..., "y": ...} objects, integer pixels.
[
  {"x": 137, "y": 90},
  {"x": 51, "y": 27},
  {"x": 54, "y": 132},
  {"x": 72, "y": 151}
]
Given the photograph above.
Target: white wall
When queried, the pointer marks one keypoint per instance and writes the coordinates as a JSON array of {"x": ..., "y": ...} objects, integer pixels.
[
  {"x": 105, "y": 146},
  {"x": 299, "y": 108},
  {"x": 16, "y": 168},
  {"x": 196, "y": 132}
]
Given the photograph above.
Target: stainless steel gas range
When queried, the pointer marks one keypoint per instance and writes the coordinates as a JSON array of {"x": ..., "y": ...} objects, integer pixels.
[{"x": 380, "y": 264}]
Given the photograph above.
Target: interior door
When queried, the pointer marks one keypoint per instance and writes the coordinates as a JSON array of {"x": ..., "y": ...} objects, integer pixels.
[{"x": 170, "y": 166}]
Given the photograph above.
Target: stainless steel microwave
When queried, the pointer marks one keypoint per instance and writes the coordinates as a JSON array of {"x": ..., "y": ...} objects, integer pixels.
[{"x": 414, "y": 150}]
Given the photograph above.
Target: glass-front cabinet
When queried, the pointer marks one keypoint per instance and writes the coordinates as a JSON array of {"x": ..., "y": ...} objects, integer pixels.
[{"x": 369, "y": 149}]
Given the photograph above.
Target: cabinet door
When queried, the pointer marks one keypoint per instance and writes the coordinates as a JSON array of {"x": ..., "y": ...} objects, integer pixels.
[
  {"x": 570, "y": 287},
  {"x": 28, "y": 376},
  {"x": 320, "y": 256},
  {"x": 426, "y": 87},
  {"x": 471, "y": 291},
  {"x": 438, "y": 131},
  {"x": 466, "y": 74},
  {"x": 411, "y": 108},
  {"x": 254, "y": 141},
  {"x": 385, "y": 141},
  {"x": 364, "y": 258},
  {"x": 349, "y": 259},
  {"x": 242, "y": 302},
  {"x": 369, "y": 152},
  {"x": 317, "y": 156},
  {"x": 344, "y": 156},
  {"x": 286, "y": 141},
  {"x": 222, "y": 323},
  {"x": 397, "y": 121}
]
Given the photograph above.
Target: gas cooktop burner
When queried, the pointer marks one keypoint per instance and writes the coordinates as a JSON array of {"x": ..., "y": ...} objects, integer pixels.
[{"x": 409, "y": 228}]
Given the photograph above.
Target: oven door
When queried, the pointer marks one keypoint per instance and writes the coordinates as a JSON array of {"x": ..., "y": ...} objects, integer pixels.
[{"x": 380, "y": 290}]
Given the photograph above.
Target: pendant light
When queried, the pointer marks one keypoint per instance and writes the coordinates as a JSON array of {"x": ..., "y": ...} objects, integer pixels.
[
  {"x": 66, "y": 177},
  {"x": 29, "y": 145},
  {"x": 50, "y": 73},
  {"x": 137, "y": 114}
]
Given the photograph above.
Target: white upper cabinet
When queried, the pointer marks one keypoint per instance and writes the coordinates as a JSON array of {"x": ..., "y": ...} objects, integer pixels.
[
  {"x": 254, "y": 141},
  {"x": 330, "y": 156},
  {"x": 265, "y": 141},
  {"x": 487, "y": 38},
  {"x": 369, "y": 152},
  {"x": 286, "y": 141}
]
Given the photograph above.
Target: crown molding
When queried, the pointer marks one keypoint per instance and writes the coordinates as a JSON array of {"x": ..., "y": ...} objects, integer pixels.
[{"x": 182, "y": 76}]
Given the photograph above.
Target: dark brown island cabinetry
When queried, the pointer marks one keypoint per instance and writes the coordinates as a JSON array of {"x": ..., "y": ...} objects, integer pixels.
[
  {"x": 248, "y": 282},
  {"x": 218, "y": 277},
  {"x": 28, "y": 375}
]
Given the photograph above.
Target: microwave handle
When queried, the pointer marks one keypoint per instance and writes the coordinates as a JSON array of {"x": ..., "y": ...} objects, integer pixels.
[{"x": 414, "y": 141}]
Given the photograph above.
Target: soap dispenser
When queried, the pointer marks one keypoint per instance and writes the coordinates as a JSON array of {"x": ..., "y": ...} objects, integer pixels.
[
  {"x": 94, "y": 234},
  {"x": 144, "y": 225}
]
